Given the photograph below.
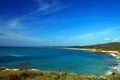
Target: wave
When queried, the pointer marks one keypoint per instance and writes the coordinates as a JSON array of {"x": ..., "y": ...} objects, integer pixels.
[
  {"x": 13, "y": 58},
  {"x": 11, "y": 55},
  {"x": 116, "y": 67},
  {"x": 15, "y": 55},
  {"x": 116, "y": 56}
]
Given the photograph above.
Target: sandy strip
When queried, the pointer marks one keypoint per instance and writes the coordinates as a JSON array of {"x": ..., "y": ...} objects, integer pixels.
[
  {"x": 115, "y": 54},
  {"x": 95, "y": 50}
]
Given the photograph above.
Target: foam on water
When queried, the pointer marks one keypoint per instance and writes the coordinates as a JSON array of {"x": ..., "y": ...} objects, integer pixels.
[
  {"x": 116, "y": 67},
  {"x": 11, "y": 55},
  {"x": 76, "y": 61},
  {"x": 16, "y": 55}
]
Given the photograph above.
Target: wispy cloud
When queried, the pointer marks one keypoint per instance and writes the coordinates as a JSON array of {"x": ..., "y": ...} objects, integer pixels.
[
  {"x": 107, "y": 35},
  {"x": 14, "y": 36},
  {"x": 47, "y": 7},
  {"x": 107, "y": 39},
  {"x": 115, "y": 39},
  {"x": 19, "y": 37},
  {"x": 13, "y": 24},
  {"x": 44, "y": 7},
  {"x": 13, "y": 30},
  {"x": 92, "y": 35}
]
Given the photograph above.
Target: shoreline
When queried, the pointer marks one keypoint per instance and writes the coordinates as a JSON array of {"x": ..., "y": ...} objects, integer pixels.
[
  {"x": 112, "y": 69},
  {"x": 16, "y": 69},
  {"x": 96, "y": 50}
]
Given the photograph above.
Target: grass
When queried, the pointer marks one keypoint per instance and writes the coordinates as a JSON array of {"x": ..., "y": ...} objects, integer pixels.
[{"x": 51, "y": 75}]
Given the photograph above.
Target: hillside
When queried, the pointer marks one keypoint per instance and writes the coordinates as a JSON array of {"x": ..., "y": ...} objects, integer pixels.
[{"x": 113, "y": 46}]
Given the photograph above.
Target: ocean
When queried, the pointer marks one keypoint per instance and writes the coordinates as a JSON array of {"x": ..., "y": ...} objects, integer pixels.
[{"x": 55, "y": 59}]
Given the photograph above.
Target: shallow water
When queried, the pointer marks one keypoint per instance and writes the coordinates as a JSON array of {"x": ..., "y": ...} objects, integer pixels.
[{"x": 76, "y": 61}]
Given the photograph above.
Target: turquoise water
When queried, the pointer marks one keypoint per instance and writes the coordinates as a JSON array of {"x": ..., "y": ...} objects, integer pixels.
[{"x": 76, "y": 61}]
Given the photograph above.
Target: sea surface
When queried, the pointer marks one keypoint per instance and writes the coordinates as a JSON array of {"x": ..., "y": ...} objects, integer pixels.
[{"x": 75, "y": 61}]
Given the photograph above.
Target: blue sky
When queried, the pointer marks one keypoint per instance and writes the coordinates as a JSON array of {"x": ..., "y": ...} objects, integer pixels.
[{"x": 59, "y": 22}]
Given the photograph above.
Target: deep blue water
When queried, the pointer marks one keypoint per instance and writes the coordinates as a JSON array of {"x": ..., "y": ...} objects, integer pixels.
[{"x": 76, "y": 61}]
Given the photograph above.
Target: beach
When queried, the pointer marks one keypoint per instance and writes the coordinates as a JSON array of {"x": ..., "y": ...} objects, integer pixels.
[
  {"x": 96, "y": 50},
  {"x": 112, "y": 69}
]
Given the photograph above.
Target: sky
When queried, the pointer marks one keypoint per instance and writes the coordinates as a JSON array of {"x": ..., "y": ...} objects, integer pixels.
[{"x": 59, "y": 22}]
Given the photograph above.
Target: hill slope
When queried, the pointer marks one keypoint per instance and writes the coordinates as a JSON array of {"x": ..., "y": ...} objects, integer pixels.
[{"x": 113, "y": 46}]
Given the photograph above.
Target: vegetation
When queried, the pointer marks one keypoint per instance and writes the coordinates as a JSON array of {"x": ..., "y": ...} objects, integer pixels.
[
  {"x": 113, "y": 46},
  {"x": 48, "y": 75},
  {"x": 24, "y": 71},
  {"x": 42, "y": 75},
  {"x": 26, "y": 74}
]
